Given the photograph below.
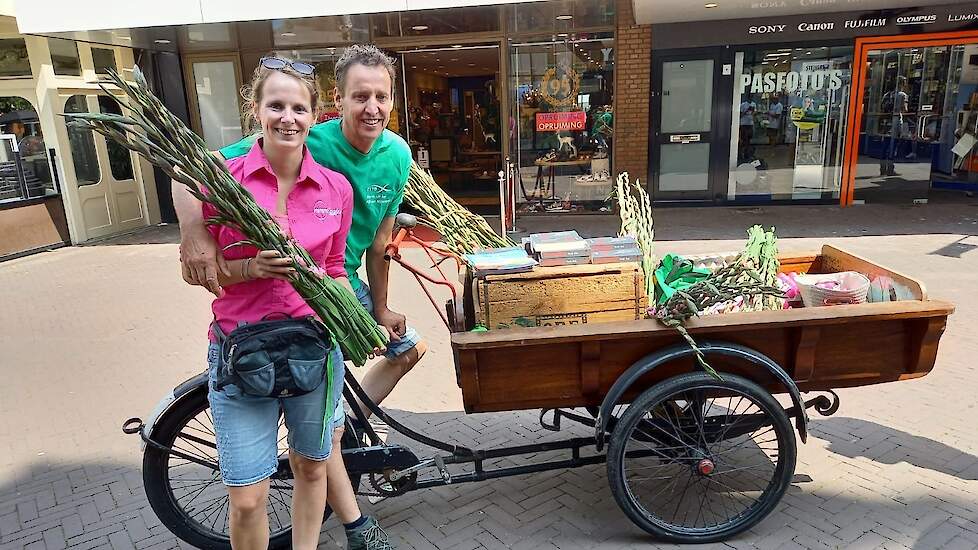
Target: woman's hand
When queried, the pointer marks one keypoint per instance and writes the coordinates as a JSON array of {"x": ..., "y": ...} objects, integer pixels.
[{"x": 269, "y": 264}]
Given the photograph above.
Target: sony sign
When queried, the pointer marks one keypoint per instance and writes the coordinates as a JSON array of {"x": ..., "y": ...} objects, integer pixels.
[
  {"x": 765, "y": 29},
  {"x": 791, "y": 81}
]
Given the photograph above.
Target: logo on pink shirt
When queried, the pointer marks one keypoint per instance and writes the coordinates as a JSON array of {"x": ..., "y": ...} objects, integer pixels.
[{"x": 321, "y": 210}]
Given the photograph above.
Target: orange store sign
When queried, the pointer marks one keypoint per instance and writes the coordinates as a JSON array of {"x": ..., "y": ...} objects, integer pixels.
[{"x": 558, "y": 122}]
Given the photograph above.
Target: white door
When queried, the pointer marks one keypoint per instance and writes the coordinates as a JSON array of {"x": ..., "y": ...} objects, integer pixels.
[{"x": 102, "y": 177}]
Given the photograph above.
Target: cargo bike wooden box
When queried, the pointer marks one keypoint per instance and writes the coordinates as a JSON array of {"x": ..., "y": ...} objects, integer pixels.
[{"x": 690, "y": 458}]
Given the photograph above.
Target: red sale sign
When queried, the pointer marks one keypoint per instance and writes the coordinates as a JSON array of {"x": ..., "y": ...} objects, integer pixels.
[{"x": 558, "y": 122}]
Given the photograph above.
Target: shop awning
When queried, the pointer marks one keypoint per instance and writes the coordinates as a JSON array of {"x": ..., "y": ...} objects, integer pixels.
[
  {"x": 50, "y": 16},
  {"x": 648, "y": 12}
]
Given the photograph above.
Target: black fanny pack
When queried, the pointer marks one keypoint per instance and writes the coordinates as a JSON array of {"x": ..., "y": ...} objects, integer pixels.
[{"x": 275, "y": 358}]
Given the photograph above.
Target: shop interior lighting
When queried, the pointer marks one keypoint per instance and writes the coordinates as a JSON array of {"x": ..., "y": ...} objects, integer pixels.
[
  {"x": 419, "y": 28},
  {"x": 564, "y": 17},
  {"x": 456, "y": 45},
  {"x": 710, "y": 5},
  {"x": 288, "y": 34},
  {"x": 161, "y": 41}
]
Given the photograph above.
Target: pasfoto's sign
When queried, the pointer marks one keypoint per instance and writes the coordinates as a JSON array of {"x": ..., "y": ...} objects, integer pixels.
[
  {"x": 791, "y": 81},
  {"x": 564, "y": 121}
]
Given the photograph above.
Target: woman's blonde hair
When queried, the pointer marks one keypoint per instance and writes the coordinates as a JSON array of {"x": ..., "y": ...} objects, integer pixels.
[{"x": 252, "y": 92}]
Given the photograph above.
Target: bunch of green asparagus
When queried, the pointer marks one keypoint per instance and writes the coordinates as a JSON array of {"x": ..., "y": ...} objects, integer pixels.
[
  {"x": 729, "y": 283},
  {"x": 761, "y": 253},
  {"x": 462, "y": 231},
  {"x": 635, "y": 211},
  {"x": 162, "y": 139}
]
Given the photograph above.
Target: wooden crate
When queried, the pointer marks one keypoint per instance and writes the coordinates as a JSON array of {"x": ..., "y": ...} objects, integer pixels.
[{"x": 563, "y": 295}]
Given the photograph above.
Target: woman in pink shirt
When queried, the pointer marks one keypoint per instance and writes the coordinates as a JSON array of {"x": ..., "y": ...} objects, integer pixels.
[{"x": 314, "y": 205}]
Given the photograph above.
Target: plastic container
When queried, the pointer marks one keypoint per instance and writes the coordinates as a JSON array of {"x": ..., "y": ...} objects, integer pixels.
[{"x": 832, "y": 289}]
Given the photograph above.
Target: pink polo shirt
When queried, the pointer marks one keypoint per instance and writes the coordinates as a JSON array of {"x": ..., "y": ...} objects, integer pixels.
[{"x": 319, "y": 212}]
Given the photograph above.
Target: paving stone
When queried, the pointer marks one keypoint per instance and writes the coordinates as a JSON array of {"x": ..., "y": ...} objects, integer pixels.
[{"x": 895, "y": 468}]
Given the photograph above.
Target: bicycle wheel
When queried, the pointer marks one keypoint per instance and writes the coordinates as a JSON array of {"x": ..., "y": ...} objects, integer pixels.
[
  {"x": 189, "y": 497},
  {"x": 695, "y": 459}
]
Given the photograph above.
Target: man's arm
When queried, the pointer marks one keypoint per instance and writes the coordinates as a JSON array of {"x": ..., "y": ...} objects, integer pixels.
[
  {"x": 377, "y": 278},
  {"x": 200, "y": 258}
]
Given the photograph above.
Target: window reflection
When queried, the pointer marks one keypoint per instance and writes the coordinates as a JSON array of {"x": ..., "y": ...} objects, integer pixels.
[
  {"x": 563, "y": 124},
  {"x": 64, "y": 56},
  {"x": 120, "y": 159},
  {"x": 83, "y": 155},
  {"x": 13, "y": 58},
  {"x": 431, "y": 22},
  {"x": 789, "y": 108},
  {"x": 24, "y": 168}
]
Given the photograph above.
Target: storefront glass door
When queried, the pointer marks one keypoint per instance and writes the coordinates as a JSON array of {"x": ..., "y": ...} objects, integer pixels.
[{"x": 682, "y": 144}]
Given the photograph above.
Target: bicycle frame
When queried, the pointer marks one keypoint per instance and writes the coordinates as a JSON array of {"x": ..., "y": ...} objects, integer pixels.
[{"x": 393, "y": 253}]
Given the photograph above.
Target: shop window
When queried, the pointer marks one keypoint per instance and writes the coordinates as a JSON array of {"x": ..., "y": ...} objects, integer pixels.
[
  {"x": 103, "y": 59},
  {"x": 789, "y": 123},
  {"x": 82, "y": 142},
  {"x": 562, "y": 16},
  {"x": 24, "y": 168},
  {"x": 64, "y": 56},
  {"x": 217, "y": 90},
  {"x": 120, "y": 159},
  {"x": 564, "y": 124},
  {"x": 434, "y": 22},
  {"x": 324, "y": 59},
  {"x": 336, "y": 29},
  {"x": 13, "y": 58}
]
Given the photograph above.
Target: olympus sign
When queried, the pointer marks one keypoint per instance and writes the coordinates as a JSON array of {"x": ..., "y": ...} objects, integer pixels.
[{"x": 915, "y": 19}]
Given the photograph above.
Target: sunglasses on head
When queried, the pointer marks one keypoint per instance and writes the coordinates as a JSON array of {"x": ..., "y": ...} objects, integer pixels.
[{"x": 278, "y": 64}]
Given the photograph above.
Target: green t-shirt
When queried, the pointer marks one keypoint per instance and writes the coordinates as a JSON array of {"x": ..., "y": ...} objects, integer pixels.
[{"x": 377, "y": 178}]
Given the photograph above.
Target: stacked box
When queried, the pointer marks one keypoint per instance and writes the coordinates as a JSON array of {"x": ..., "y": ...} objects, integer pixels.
[
  {"x": 606, "y": 250},
  {"x": 563, "y": 295}
]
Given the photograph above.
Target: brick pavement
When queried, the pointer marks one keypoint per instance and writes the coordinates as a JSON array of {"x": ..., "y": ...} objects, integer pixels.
[{"x": 111, "y": 327}]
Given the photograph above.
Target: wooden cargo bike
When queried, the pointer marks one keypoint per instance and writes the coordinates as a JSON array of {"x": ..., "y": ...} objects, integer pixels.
[{"x": 690, "y": 458}]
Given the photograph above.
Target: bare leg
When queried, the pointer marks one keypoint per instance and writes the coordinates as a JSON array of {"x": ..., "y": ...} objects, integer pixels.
[
  {"x": 249, "y": 516},
  {"x": 308, "y": 500},
  {"x": 341, "y": 497},
  {"x": 386, "y": 373}
]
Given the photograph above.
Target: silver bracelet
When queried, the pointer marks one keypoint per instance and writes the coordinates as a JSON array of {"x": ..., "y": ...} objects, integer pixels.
[{"x": 244, "y": 269}]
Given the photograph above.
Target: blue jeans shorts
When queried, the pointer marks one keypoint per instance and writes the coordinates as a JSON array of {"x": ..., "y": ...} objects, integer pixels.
[
  {"x": 406, "y": 342},
  {"x": 247, "y": 426}
]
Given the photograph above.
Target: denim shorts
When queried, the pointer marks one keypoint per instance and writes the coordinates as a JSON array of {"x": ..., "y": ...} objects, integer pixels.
[
  {"x": 247, "y": 425},
  {"x": 394, "y": 348}
]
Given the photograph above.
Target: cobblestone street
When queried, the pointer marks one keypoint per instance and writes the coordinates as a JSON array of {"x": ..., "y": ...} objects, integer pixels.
[{"x": 92, "y": 335}]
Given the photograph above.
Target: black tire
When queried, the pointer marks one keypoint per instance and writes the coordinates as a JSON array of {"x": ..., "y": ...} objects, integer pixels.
[
  {"x": 661, "y": 434},
  {"x": 190, "y": 499}
]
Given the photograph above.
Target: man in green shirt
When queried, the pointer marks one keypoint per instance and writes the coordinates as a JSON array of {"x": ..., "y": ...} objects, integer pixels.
[{"x": 376, "y": 161}]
